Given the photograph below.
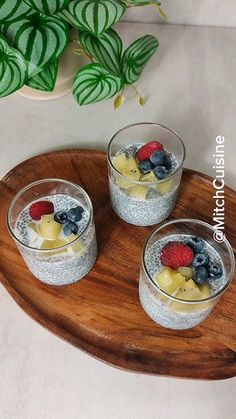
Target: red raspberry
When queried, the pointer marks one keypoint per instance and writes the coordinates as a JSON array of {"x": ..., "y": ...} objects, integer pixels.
[
  {"x": 176, "y": 255},
  {"x": 146, "y": 150},
  {"x": 40, "y": 208}
]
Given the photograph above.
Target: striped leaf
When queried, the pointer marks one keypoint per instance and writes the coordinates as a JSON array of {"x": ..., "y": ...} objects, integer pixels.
[
  {"x": 107, "y": 49},
  {"x": 94, "y": 83},
  {"x": 47, "y": 7},
  {"x": 46, "y": 79},
  {"x": 41, "y": 39},
  {"x": 13, "y": 71},
  {"x": 94, "y": 16},
  {"x": 136, "y": 57},
  {"x": 12, "y": 9}
]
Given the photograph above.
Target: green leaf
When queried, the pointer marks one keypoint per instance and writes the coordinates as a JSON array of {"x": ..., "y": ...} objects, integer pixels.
[
  {"x": 94, "y": 83},
  {"x": 107, "y": 49},
  {"x": 47, "y": 7},
  {"x": 136, "y": 57},
  {"x": 46, "y": 79},
  {"x": 13, "y": 9},
  {"x": 12, "y": 69},
  {"x": 41, "y": 39},
  {"x": 94, "y": 16}
]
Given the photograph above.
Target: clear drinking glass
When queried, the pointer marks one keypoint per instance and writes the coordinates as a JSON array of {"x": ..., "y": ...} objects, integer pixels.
[
  {"x": 61, "y": 265},
  {"x": 161, "y": 195},
  {"x": 165, "y": 309}
]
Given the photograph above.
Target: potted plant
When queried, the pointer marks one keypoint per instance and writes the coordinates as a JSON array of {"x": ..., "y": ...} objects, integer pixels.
[{"x": 35, "y": 33}]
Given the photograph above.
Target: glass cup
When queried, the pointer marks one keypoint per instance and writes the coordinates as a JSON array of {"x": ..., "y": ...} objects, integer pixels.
[
  {"x": 168, "y": 310},
  {"x": 61, "y": 265},
  {"x": 144, "y": 203}
]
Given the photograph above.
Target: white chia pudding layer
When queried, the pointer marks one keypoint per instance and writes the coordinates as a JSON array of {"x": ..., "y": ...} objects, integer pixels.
[
  {"x": 158, "y": 307},
  {"x": 155, "y": 208},
  {"x": 59, "y": 266}
]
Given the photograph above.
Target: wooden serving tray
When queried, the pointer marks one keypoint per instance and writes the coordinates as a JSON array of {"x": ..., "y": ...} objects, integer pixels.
[{"x": 101, "y": 313}]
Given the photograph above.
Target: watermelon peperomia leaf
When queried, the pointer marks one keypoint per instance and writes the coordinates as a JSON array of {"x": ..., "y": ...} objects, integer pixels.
[
  {"x": 94, "y": 16},
  {"x": 46, "y": 79},
  {"x": 13, "y": 9},
  {"x": 136, "y": 57},
  {"x": 94, "y": 83},
  {"x": 13, "y": 71},
  {"x": 41, "y": 39},
  {"x": 47, "y": 7},
  {"x": 106, "y": 49}
]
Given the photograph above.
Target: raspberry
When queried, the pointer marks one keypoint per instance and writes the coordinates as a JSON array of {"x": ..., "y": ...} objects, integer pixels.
[
  {"x": 146, "y": 150},
  {"x": 40, "y": 208},
  {"x": 176, "y": 255}
]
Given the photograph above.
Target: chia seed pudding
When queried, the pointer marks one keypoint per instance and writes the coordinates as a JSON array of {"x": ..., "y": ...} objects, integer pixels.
[
  {"x": 59, "y": 265},
  {"x": 170, "y": 312},
  {"x": 143, "y": 200}
]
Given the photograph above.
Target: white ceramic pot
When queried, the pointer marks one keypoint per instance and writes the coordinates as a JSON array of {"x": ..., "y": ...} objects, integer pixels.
[{"x": 69, "y": 64}]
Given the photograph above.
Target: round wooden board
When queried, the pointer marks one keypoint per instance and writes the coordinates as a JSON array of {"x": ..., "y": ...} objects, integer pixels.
[{"x": 101, "y": 313}]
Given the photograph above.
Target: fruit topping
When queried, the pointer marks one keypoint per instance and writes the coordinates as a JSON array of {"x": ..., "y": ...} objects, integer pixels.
[
  {"x": 166, "y": 186},
  {"x": 138, "y": 191},
  {"x": 200, "y": 259},
  {"x": 176, "y": 255},
  {"x": 160, "y": 172},
  {"x": 215, "y": 271},
  {"x": 48, "y": 228},
  {"x": 61, "y": 217},
  {"x": 39, "y": 208},
  {"x": 75, "y": 214},
  {"x": 70, "y": 228},
  {"x": 158, "y": 158},
  {"x": 186, "y": 272},
  {"x": 147, "y": 149},
  {"x": 145, "y": 166},
  {"x": 52, "y": 244},
  {"x": 148, "y": 177},
  {"x": 169, "y": 280},
  {"x": 201, "y": 275},
  {"x": 196, "y": 244}
]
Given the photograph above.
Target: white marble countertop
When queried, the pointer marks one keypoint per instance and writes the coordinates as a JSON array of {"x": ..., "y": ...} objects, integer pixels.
[{"x": 191, "y": 87}]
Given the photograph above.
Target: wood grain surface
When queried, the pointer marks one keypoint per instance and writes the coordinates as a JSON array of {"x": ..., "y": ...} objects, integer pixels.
[{"x": 101, "y": 313}]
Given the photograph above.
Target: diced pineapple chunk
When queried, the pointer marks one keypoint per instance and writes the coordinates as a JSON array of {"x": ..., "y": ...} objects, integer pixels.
[
  {"x": 191, "y": 292},
  {"x": 186, "y": 272},
  {"x": 125, "y": 183},
  {"x": 52, "y": 244},
  {"x": 169, "y": 280},
  {"x": 131, "y": 164},
  {"x": 165, "y": 187},
  {"x": 148, "y": 177},
  {"x": 120, "y": 162},
  {"x": 76, "y": 247},
  {"x": 138, "y": 191},
  {"x": 48, "y": 228}
]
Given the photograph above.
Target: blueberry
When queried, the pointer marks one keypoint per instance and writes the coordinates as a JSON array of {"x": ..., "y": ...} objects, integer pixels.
[
  {"x": 215, "y": 271},
  {"x": 75, "y": 214},
  {"x": 168, "y": 162},
  {"x": 158, "y": 158},
  {"x": 70, "y": 228},
  {"x": 200, "y": 275},
  {"x": 160, "y": 172},
  {"x": 145, "y": 166},
  {"x": 61, "y": 217},
  {"x": 196, "y": 244},
  {"x": 200, "y": 259}
]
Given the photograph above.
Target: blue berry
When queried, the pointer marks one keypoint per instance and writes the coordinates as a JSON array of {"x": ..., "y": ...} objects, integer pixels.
[
  {"x": 196, "y": 244},
  {"x": 158, "y": 158},
  {"x": 200, "y": 259},
  {"x": 200, "y": 275},
  {"x": 75, "y": 214},
  {"x": 70, "y": 228},
  {"x": 61, "y": 217},
  {"x": 145, "y": 166},
  {"x": 160, "y": 172},
  {"x": 215, "y": 271}
]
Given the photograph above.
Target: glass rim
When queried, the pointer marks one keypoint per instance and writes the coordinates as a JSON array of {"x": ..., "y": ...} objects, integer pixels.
[
  {"x": 35, "y": 183},
  {"x": 171, "y": 297},
  {"x": 139, "y": 182}
]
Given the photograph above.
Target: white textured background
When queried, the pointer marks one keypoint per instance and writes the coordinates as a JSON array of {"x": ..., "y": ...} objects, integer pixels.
[{"x": 189, "y": 12}]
